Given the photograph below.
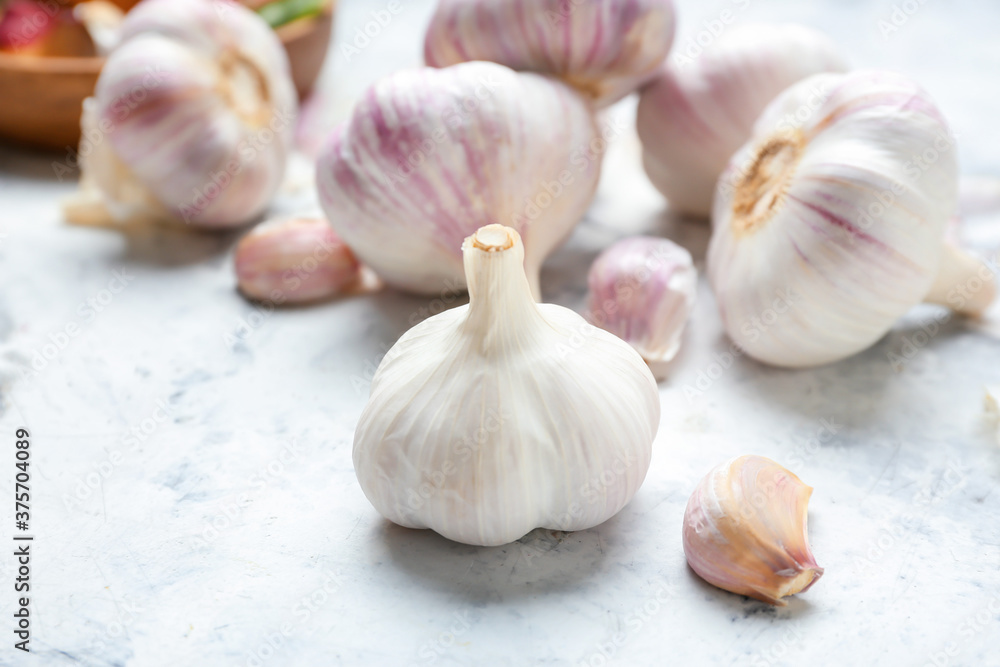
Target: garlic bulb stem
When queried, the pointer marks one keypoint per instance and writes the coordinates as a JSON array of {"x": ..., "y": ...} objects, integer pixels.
[{"x": 963, "y": 283}]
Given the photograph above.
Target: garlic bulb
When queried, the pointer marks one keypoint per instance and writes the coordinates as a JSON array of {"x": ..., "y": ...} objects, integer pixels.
[
  {"x": 697, "y": 113},
  {"x": 495, "y": 418},
  {"x": 429, "y": 156},
  {"x": 604, "y": 48},
  {"x": 827, "y": 231},
  {"x": 192, "y": 119},
  {"x": 294, "y": 261},
  {"x": 745, "y": 530},
  {"x": 642, "y": 289}
]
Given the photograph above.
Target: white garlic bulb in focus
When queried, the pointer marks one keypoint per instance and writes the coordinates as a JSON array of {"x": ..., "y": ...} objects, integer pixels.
[
  {"x": 495, "y": 418},
  {"x": 604, "y": 48},
  {"x": 826, "y": 231},
  {"x": 430, "y": 155},
  {"x": 642, "y": 289},
  {"x": 698, "y": 112},
  {"x": 192, "y": 119}
]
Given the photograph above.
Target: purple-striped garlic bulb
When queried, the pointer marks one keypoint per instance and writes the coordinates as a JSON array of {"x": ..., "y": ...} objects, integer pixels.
[
  {"x": 702, "y": 107},
  {"x": 192, "y": 119},
  {"x": 431, "y": 155},
  {"x": 604, "y": 48},
  {"x": 642, "y": 289},
  {"x": 746, "y": 530},
  {"x": 829, "y": 226},
  {"x": 294, "y": 261}
]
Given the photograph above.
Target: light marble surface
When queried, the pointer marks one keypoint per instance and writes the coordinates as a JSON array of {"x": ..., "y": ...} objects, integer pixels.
[{"x": 195, "y": 502}]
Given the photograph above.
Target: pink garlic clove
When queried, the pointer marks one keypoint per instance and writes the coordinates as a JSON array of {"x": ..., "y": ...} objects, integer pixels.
[
  {"x": 642, "y": 289},
  {"x": 294, "y": 261},
  {"x": 745, "y": 530}
]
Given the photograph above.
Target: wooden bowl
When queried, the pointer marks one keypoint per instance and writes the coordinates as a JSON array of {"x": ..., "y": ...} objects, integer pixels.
[{"x": 43, "y": 96}]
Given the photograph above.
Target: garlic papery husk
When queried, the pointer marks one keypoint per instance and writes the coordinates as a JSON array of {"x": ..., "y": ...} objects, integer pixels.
[
  {"x": 745, "y": 530},
  {"x": 827, "y": 230},
  {"x": 192, "y": 119},
  {"x": 699, "y": 111},
  {"x": 642, "y": 289},
  {"x": 501, "y": 416},
  {"x": 604, "y": 48},
  {"x": 430, "y": 155},
  {"x": 294, "y": 261}
]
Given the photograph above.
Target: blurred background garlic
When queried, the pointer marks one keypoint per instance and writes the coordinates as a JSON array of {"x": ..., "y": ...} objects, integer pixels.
[
  {"x": 192, "y": 119},
  {"x": 642, "y": 289},
  {"x": 746, "y": 530},
  {"x": 495, "y": 418},
  {"x": 431, "y": 155},
  {"x": 828, "y": 226},
  {"x": 699, "y": 111},
  {"x": 604, "y": 48},
  {"x": 294, "y": 261}
]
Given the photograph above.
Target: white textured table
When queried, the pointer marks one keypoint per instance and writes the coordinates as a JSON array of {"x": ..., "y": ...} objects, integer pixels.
[{"x": 194, "y": 500}]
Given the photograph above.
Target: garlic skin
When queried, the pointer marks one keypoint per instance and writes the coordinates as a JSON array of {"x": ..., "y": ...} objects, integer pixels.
[
  {"x": 504, "y": 415},
  {"x": 430, "y": 155},
  {"x": 696, "y": 114},
  {"x": 642, "y": 289},
  {"x": 192, "y": 119},
  {"x": 294, "y": 261},
  {"x": 745, "y": 530},
  {"x": 604, "y": 48},
  {"x": 826, "y": 232}
]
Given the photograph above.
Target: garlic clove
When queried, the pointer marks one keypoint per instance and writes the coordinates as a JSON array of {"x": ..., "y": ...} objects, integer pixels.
[
  {"x": 827, "y": 230},
  {"x": 192, "y": 119},
  {"x": 430, "y": 155},
  {"x": 642, "y": 289},
  {"x": 604, "y": 49},
  {"x": 745, "y": 530},
  {"x": 294, "y": 261},
  {"x": 504, "y": 415},
  {"x": 697, "y": 113}
]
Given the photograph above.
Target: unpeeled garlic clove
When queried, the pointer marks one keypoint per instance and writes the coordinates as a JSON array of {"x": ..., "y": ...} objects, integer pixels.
[
  {"x": 642, "y": 289},
  {"x": 191, "y": 121},
  {"x": 697, "y": 113},
  {"x": 294, "y": 261},
  {"x": 429, "y": 156},
  {"x": 745, "y": 530},
  {"x": 604, "y": 49},
  {"x": 826, "y": 230}
]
